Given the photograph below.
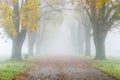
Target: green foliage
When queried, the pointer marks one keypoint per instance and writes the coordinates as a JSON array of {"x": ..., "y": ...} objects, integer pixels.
[
  {"x": 108, "y": 66},
  {"x": 10, "y": 69}
]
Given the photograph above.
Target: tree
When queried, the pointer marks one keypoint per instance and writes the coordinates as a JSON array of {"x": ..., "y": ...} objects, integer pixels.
[
  {"x": 84, "y": 20},
  {"x": 16, "y": 18},
  {"x": 50, "y": 11},
  {"x": 88, "y": 29},
  {"x": 31, "y": 41},
  {"x": 103, "y": 14}
]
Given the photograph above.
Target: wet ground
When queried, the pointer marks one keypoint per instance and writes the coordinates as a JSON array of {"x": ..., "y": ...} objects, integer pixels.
[{"x": 63, "y": 68}]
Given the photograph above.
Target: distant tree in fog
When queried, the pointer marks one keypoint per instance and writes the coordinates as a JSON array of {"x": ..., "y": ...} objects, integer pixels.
[
  {"x": 84, "y": 24},
  {"x": 88, "y": 29},
  {"x": 50, "y": 11}
]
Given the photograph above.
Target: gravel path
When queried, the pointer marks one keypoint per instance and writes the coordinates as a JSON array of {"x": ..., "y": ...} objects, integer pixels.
[{"x": 63, "y": 68}]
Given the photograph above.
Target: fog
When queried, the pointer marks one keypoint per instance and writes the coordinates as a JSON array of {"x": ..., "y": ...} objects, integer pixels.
[
  {"x": 60, "y": 35},
  {"x": 58, "y": 42},
  {"x": 59, "y": 39}
]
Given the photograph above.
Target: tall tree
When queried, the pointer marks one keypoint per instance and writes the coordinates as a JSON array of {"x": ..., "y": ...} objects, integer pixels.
[
  {"x": 103, "y": 14},
  {"x": 16, "y": 17}
]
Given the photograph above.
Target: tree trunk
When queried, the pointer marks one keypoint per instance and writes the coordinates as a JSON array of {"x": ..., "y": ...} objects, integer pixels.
[
  {"x": 37, "y": 47},
  {"x": 31, "y": 42},
  {"x": 17, "y": 45},
  {"x": 31, "y": 49},
  {"x": 99, "y": 40},
  {"x": 87, "y": 42},
  {"x": 16, "y": 50},
  {"x": 81, "y": 40}
]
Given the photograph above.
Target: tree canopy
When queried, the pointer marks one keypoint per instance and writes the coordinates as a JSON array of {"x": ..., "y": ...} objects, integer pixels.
[{"x": 28, "y": 14}]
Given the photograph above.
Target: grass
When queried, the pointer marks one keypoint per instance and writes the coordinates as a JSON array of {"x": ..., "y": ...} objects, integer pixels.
[
  {"x": 110, "y": 67},
  {"x": 11, "y": 69}
]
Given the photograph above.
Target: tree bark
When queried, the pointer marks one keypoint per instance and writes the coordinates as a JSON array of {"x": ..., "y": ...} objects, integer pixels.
[
  {"x": 16, "y": 50},
  {"x": 99, "y": 40},
  {"x": 17, "y": 45}
]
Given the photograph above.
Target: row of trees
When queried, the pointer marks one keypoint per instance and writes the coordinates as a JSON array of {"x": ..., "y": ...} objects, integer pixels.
[
  {"x": 20, "y": 18},
  {"x": 50, "y": 12},
  {"x": 103, "y": 15},
  {"x": 100, "y": 16},
  {"x": 17, "y": 17}
]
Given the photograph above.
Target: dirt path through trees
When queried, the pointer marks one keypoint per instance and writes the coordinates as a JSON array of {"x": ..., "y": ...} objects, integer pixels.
[{"x": 63, "y": 68}]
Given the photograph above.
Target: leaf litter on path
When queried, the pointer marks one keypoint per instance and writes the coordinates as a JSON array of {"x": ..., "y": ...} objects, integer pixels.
[{"x": 64, "y": 68}]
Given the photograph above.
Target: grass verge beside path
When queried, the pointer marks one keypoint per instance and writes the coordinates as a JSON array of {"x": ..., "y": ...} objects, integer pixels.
[
  {"x": 110, "y": 67},
  {"x": 9, "y": 70}
]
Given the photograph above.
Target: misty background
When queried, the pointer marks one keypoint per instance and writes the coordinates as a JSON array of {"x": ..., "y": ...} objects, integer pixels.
[
  {"x": 60, "y": 36},
  {"x": 59, "y": 43}
]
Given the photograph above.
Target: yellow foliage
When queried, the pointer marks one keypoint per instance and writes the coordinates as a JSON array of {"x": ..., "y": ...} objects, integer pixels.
[
  {"x": 29, "y": 14},
  {"x": 99, "y": 3},
  {"x": 3, "y": 6},
  {"x": 117, "y": 3},
  {"x": 118, "y": 13},
  {"x": 14, "y": 33},
  {"x": 98, "y": 6},
  {"x": 32, "y": 29}
]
